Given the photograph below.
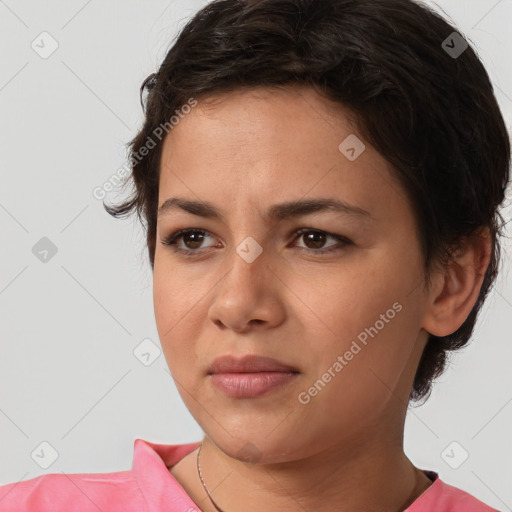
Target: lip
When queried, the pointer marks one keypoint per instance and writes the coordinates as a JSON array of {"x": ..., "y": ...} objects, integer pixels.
[
  {"x": 249, "y": 364},
  {"x": 250, "y": 376}
]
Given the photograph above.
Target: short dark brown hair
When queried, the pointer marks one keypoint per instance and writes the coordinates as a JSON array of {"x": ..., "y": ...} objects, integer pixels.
[{"x": 433, "y": 115}]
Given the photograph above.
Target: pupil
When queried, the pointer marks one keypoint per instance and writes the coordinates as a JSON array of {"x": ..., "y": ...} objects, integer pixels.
[
  {"x": 318, "y": 242},
  {"x": 191, "y": 235}
]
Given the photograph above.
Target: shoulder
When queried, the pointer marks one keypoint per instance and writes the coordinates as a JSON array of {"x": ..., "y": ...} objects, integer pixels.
[
  {"x": 74, "y": 492},
  {"x": 448, "y": 498},
  {"x": 459, "y": 499},
  {"x": 147, "y": 486}
]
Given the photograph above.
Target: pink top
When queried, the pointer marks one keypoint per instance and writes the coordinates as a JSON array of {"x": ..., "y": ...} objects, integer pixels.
[{"x": 150, "y": 487}]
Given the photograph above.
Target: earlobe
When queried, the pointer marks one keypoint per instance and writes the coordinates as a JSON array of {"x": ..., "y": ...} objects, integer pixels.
[{"x": 458, "y": 285}]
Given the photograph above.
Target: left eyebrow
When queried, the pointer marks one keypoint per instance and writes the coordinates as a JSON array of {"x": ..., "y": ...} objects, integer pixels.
[{"x": 277, "y": 212}]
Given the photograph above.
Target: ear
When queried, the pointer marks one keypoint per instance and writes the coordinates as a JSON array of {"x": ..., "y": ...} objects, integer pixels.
[{"x": 455, "y": 289}]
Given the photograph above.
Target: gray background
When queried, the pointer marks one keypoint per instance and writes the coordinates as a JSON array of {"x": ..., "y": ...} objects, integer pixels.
[{"x": 69, "y": 326}]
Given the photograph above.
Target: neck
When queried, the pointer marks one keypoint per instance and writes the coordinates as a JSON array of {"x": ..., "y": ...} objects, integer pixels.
[{"x": 368, "y": 478}]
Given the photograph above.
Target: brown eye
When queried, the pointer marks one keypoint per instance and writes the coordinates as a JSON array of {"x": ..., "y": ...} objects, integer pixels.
[
  {"x": 315, "y": 240},
  {"x": 193, "y": 240}
]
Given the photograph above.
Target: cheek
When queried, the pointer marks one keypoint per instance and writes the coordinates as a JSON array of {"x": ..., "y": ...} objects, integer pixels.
[
  {"x": 174, "y": 297},
  {"x": 169, "y": 304},
  {"x": 164, "y": 302},
  {"x": 178, "y": 308},
  {"x": 369, "y": 321}
]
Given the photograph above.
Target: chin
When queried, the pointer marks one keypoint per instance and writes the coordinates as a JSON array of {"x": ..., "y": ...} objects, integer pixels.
[{"x": 253, "y": 449}]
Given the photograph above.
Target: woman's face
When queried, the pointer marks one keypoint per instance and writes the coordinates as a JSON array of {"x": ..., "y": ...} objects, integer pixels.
[{"x": 348, "y": 321}]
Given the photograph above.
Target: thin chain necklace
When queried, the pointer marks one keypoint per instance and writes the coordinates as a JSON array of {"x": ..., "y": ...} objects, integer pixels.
[{"x": 202, "y": 481}]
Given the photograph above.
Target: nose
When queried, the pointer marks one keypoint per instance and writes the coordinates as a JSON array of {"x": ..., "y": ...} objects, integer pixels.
[{"x": 249, "y": 295}]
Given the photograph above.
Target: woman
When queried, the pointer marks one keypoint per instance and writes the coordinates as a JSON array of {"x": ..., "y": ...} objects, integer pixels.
[{"x": 320, "y": 183}]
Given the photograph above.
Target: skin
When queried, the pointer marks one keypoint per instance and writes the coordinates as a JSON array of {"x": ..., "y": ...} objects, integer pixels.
[{"x": 254, "y": 149}]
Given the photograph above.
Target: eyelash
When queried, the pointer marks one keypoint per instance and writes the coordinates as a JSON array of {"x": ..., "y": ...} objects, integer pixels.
[{"x": 172, "y": 240}]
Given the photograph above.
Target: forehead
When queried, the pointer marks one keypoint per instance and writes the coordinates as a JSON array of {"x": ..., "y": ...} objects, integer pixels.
[
  {"x": 269, "y": 145},
  {"x": 283, "y": 121}
]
